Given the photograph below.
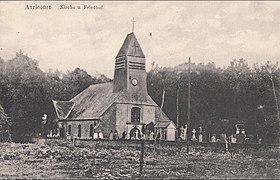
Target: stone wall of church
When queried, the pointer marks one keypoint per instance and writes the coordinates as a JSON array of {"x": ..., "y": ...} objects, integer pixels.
[
  {"x": 85, "y": 128},
  {"x": 108, "y": 122},
  {"x": 123, "y": 115},
  {"x": 149, "y": 114}
]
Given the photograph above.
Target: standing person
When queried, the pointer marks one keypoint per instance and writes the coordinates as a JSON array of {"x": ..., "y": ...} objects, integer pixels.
[
  {"x": 124, "y": 134},
  {"x": 116, "y": 135}
]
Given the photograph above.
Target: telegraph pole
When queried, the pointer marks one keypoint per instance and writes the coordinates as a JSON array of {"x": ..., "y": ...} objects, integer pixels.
[
  {"x": 189, "y": 95},
  {"x": 276, "y": 103},
  {"x": 177, "y": 108},
  {"x": 277, "y": 107},
  {"x": 275, "y": 97}
]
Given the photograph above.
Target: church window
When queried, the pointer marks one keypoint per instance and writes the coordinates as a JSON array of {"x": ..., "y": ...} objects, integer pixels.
[
  {"x": 91, "y": 130},
  {"x": 135, "y": 114},
  {"x": 79, "y": 130},
  {"x": 69, "y": 129}
]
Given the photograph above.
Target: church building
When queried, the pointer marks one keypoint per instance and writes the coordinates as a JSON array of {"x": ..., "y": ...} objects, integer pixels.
[{"x": 122, "y": 107}]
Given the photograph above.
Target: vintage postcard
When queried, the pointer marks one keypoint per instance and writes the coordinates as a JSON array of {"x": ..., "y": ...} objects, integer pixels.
[{"x": 139, "y": 90}]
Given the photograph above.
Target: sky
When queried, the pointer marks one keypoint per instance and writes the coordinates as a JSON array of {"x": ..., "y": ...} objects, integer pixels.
[{"x": 168, "y": 33}]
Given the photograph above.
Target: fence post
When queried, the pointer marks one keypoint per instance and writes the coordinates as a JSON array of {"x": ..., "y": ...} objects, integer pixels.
[{"x": 141, "y": 157}]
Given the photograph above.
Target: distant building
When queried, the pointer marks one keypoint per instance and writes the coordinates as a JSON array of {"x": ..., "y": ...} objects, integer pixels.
[{"x": 122, "y": 106}]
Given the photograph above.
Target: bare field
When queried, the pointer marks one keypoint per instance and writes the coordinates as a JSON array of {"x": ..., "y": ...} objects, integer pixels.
[{"x": 52, "y": 162}]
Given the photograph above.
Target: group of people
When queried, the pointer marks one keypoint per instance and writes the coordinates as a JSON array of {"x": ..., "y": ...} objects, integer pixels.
[
  {"x": 114, "y": 135},
  {"x": 133, "y": 135}
]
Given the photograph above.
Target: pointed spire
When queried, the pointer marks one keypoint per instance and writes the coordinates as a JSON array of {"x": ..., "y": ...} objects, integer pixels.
[{"x": 131, "y": 47}]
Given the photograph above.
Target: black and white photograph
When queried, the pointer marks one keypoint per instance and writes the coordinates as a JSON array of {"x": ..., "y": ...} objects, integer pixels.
[{"x": 139, "y": 90}]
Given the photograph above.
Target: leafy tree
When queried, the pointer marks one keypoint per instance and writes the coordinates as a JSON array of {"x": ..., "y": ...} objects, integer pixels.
[
  {"x": 218, "y": 94},
  {"x": 5, "y": 122},
  {"x": 25, "y": 94},
  {"x": 2, "y": 80},
  {"x": 76, "y": 81}
]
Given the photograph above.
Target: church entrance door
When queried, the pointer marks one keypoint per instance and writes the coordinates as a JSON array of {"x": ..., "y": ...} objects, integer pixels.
[{"x": 135, "y": 133}]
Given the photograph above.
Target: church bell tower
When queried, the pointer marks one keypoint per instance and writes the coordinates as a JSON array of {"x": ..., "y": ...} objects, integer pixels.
[{"x": 130, "y": 69}]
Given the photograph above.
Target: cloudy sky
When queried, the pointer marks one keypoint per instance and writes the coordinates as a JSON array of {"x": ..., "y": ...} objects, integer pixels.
[{"x": 90, "y": 39}]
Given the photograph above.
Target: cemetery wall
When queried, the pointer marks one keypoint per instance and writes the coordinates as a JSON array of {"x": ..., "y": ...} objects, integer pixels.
[
  {"x": 172, "y": 146},
  {"x": 163, "y": 146}
]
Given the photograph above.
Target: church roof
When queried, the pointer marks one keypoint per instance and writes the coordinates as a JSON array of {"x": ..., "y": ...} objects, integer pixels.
[
  {"x": 165, "y": 124},
  {"x": 63, "y": 108},
  {"x": 93, "y": 101},
  {"x": 96, "y": 99},
  {"x": 162, "y": 124},
  {"x": 131, "y": 47},
  {"x": 125, "y": 97}
]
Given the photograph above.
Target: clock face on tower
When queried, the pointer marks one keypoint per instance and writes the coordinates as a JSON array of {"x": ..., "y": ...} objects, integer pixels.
[{"x": 134, "y": 82}]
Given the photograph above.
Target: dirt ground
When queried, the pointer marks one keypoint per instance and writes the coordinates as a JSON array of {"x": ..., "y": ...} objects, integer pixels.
[{"x": 53, "y": 162}]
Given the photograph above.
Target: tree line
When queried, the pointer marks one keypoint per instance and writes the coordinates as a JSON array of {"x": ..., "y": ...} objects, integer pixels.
[
  {"x": 26, "y": 92},
  {"x": 220, "y": 97}
]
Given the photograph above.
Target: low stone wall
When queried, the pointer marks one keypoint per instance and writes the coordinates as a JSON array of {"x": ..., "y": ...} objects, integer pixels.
[
  {"x": 172, "y": 146},
  {"x": 163, "y": 146},
  {"x": 54, "y": 142}
]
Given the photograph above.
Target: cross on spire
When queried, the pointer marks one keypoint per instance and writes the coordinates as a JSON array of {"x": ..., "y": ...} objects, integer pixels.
[{"x": 133, "y": 21}]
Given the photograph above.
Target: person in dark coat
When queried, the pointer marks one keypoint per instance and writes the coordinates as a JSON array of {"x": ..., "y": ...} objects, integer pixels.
[{"x": 116, "y": 135}]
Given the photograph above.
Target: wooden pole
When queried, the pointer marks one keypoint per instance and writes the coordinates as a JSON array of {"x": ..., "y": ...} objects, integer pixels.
[
  {"x": 189, "y": 96},
  {"x": 275, "y": 97},
  {"x": 177, "y": 113},
  {"x": 277, "y": 108},
  {"x": 141, "y": 157}
]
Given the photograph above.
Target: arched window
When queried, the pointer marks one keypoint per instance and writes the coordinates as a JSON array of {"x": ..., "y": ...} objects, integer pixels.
[
  {"x": 79, "y": 130},
  {"x": 91, "y": 130},
  {"x": 69, "y": 129},
  {"x": 135, "y": 114}
]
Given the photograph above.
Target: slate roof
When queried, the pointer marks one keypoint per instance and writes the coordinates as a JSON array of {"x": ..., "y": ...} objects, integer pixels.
[
  {"x": 131, "y": 47},
  {"x": 93, "y": 101},
  {"x": 125, "y": 97},
  {"x": 164, "y": 124},
  {"x": 161, "y": 115},
  {"x": 63, "y": 108},
  {"x": 96, "y": 99}
]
